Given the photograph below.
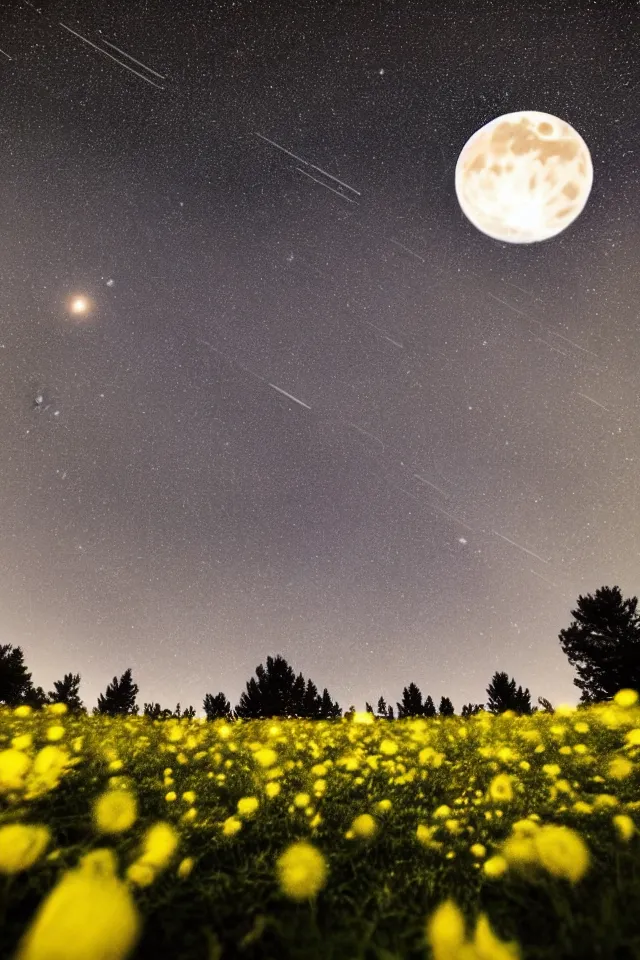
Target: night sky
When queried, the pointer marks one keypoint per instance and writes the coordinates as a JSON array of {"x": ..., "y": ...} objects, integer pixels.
[{"x": 460, "y": 460}]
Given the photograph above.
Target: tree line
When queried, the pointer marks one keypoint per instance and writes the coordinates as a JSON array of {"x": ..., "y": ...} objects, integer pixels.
[{"x": 602, "y": 643}]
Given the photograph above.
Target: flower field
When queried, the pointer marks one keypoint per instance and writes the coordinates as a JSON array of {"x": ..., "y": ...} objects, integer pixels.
[{"x": 486, "y": 838}]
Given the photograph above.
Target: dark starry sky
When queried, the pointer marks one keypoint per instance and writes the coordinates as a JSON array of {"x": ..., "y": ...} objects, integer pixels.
[{"x": 170, "y": 510}]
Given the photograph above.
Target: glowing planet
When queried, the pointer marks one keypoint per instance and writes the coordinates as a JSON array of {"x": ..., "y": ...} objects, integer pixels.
[
  {"x": 524, "y": 177},
  {"x": 79, "y": 305}
]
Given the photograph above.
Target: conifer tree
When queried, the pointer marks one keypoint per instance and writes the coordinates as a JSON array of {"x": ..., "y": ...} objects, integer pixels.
[
  {"x": 218, "y": 707},
  {"x": 603, "y": 644},
  {"x": 66, "y": 691},
  {"x": 411, "y": 705},
  {"x": 120, "y": 697},
  {"x": 502, "y": 695},
  {"x": 446, "y": 707},
  {"x": 15, "y": 679}
]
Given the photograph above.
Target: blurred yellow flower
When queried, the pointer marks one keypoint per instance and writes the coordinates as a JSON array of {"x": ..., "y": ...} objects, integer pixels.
[
  {"x": 55, "y": 733},
  {"x": 90, "y": 913},
  {"x": 231, "y": 826},
  {"x": 626, "y": 698},
  {"x": 446, "y": 932},
  {"x": 364, "y": 826},
  {"x": 21, "y": 845},
  {"x": 562, "y": 852},
  {"x": 272, "y": 789},
  {"x": 14, "y": 765},
  {"x": 495, "y": 866},
  {"x": 115, "y": 811},
  {"x": 620, "y": 768},
  {"x": 159, "y": 844},
  {"x": 266, "y": 757},
  {"x": 302, "y": 871},
  {"x": 501, "y": 788},
  {"x": 185, "y": 867},
  {"x": 247, "y": 806},
  {"x": 625, "y": 826}
]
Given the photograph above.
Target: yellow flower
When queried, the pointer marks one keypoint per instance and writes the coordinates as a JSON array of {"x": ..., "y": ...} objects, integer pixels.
[
  {"x": 620, "y": 768},
  {"x": 626, "y": 698},
  {"x": 58, "y": 709},
  {"x": 171, "y": 796},
  {"x": 89, "y": 913},
  {"x": 266, "y": 757},
  {"x": 231, "y": 826},
  {"x": 189, "y": 796},
  {"x": 159, "y": 845},
  {"x": 364, "y": 826},
  {"x": 384, "y": 805},
  {"x": 247, "y": 806},
  {"x": 115, "y": 811},
  {"x": 633, "y": 737},
  {"x": 302, "y": 800},
  {"x": 446, "y": 932},
  {"x": 495, "y": 866},
  {"x": 501, "y": 789},
  {"x": 141, "y": 874},
  {"x": 55, "y": 733},
  {"x": 14, "y": 765},
  {"x": 21, "y": 845},
  {"x": 272, "y": 789},
  {"x": 625, "y": 826},
  {"x": 478, "y": 850},
  {"x": 185, "y": 867},
  {"x": 489, "y": 947},
  {"x": 388, "y": 747},
  {"x": 22, "y": 711},
  {"x": 23, "y": 742},
  {"x": 302, "y": 871},
  {"x": 562, "y": 852}
]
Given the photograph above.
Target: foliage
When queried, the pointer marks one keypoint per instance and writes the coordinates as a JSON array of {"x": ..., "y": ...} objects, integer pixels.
[
  {"x": 493, "y": 835},
  {"x": 502, "y": 695},
  {"x": 67, "y": 691},
  {"x": 277, "y": 692},
  {"x": 603, "y": 644},
  {"x": 120, "y": 697},
  {"x": 15, "y": 680}
]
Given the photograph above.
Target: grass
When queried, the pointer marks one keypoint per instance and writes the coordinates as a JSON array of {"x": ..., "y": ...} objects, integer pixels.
[{"x": 453, "y": 790}]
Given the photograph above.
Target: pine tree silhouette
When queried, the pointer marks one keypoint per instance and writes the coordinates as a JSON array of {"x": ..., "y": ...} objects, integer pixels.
[
  {"x": 502, "y": 695},
  {"x": 446, "y": 707},
  {"x": 603, "y": 643},
  {"x": 429, "y": 709},
  {"x": 471, "y": 709},
  {"x": 120, "y": 697},
  {"x": 15, "y": 679},
  {"x": 384, "y": 712},
  {"x": 66, "y": 691},
  {"x": 368, "y": 708},
  {"x": 218, "y": 707},
  {"x": 546, "y": 706},
  {"x": 411, "y": 705},
  {"x": 277, "y": 692}
]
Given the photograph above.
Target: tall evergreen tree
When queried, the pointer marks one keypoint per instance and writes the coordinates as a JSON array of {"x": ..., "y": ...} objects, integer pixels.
[
  {"x": 546, "y": 706},
  {"x": 218, "y": 707},
  {"x": 429, "y": 709},
  {"x": 384, "y": 712},
  {"x": 411, "y": 705},
  {"x": 66, "y": 691},
  {"x": 471, "y": 709},
  {"x": 15, "y": 679},
  {"x": 35, "y": 697},
  {"x": 502, "y": 695},
  {"x": 277, "y": 692},
  {"x": 120, "y": 697},
  {"x": 369, "y": 709},
  {"x": 603, "y": 644},
  {"x": 329, "y": 710},
  {"x": 446, "y": 707}
]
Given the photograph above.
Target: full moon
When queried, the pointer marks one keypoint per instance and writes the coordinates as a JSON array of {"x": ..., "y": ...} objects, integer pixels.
[{"x": 524, "y": 177}]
